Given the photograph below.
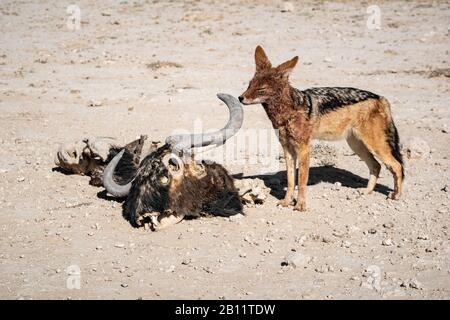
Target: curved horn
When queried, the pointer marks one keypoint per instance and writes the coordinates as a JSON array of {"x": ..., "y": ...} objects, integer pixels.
[
  {"x": 186, "y": 141},
  {"x": 110, "y": 185}
]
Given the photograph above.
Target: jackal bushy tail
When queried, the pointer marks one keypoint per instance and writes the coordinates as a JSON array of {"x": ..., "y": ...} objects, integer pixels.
[{"x": 392, "y": 135}]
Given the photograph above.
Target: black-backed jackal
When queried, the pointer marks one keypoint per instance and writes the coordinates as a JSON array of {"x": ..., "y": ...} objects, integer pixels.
[{"x": 362, "y": 118}]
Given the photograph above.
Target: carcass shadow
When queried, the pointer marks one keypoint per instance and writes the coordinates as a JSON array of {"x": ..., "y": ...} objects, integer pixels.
[
  {"x": 63, "y": 171},
  {"x": 277, "y": 182},
  {"x": 104, "y": 195}
]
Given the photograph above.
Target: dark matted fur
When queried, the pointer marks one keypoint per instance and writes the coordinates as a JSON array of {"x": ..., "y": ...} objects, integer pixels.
[
  {"x": 127, "y": 166},
  {"x": 214, "y": 193}
]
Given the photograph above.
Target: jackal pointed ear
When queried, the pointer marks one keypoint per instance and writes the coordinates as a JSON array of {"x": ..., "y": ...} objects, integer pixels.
[
  {"x": 286, "y": 67},
  {"x": 261, "y": 60}
]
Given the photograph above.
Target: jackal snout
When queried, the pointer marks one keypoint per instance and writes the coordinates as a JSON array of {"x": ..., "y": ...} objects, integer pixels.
[
  {"x": 247, "y": 101},
  {"x": 255, "y": 93}
]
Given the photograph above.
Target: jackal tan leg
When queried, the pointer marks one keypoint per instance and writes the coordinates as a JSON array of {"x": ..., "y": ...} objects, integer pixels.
[
  {"x": 361, "y": 150},
  {"x": 376, "y": 141},
  {"x": 290, "y": 169},
  {"x": 397, "y": 171},
  {"x": 303, "y": 155}
]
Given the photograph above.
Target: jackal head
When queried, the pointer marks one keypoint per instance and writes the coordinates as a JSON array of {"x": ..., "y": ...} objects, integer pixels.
[{"x": 268, "y": 83}]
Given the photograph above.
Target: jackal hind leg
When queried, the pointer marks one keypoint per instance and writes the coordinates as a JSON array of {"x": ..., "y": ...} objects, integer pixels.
[
  {"x": 377, "y": 143},
  {"x": 360, "y": 149}
]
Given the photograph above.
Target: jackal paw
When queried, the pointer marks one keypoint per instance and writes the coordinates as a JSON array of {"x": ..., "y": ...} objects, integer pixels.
[
  {"x": 393, "y": 195},
  {"x": 284, "y": 203},
  {"x": 364, "y": 191},
  {"x": 300, "y": 206}
]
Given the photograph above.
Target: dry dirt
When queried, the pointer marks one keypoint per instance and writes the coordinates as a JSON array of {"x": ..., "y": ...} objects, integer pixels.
[{"x": 152, "y": 67}]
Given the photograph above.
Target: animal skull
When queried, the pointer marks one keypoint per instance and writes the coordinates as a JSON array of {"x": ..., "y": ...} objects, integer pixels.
[
  {"x": 82, "y": 157},
  {"x": 90, "y": 157}
]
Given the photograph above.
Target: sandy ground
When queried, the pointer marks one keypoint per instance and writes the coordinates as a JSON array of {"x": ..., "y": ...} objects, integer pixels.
[{"x": 54, "y": 225}]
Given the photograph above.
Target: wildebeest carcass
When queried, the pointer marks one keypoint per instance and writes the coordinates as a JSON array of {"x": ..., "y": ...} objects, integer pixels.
[{"x": 170, "y": 184}]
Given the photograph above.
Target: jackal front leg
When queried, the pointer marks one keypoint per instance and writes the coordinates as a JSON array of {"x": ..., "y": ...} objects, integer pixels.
[
  {"x": 290, "y": 170},
  {"x": 303, "y": 154}
]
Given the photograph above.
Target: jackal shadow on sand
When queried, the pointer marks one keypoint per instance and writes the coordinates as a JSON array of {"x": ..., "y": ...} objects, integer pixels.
[{"x": 316, "y": 175}]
